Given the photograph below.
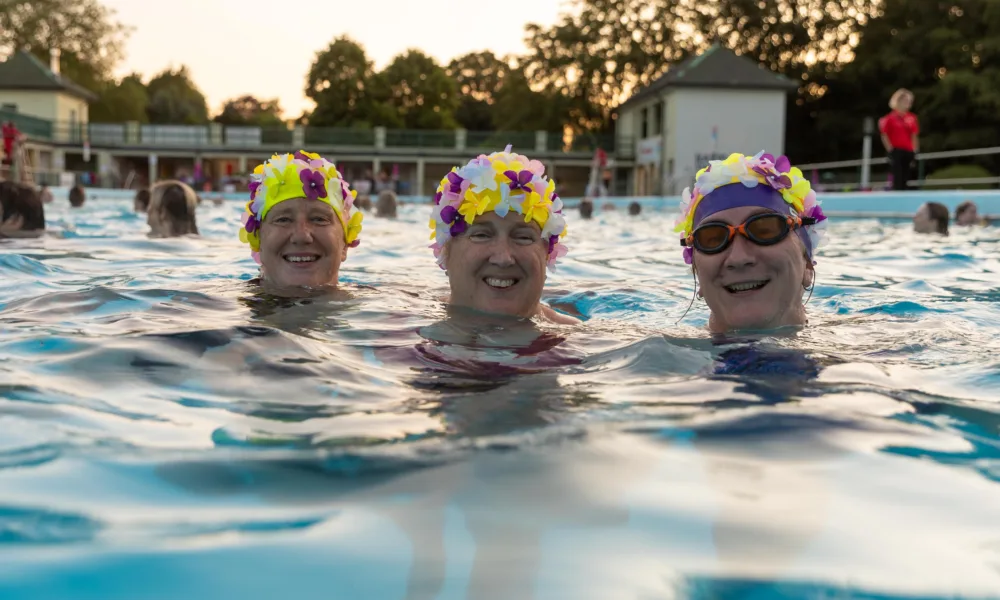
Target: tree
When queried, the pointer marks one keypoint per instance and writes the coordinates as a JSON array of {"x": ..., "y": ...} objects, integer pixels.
[
  {"x": 947, "y": 53},
  {"x": 602, "y": 51},
  {"x": 247, "y": 110},
  {"x": 86, "y": 33},
  {"x": 478, "y": 76},
  {"x": 125, "y": 100},
  {"x": 517, "y": 107},
  {"x": 174, "y": 99},
  {"x": 338, "y": 82},
  {"x": 420, "y": 91}
]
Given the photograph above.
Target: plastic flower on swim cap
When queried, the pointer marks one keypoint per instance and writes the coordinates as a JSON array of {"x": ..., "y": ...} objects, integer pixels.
[
  {"x": 751, "y": 171},
  {"x": 501, "y": 182},
  {"x": 300, "y": 175}
]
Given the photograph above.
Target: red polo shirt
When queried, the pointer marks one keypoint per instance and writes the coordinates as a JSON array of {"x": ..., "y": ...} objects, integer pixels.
[{"x": 900, "y": 129}]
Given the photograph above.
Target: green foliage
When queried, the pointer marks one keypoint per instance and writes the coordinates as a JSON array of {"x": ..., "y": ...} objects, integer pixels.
[
  {"x": 947, "y": 53},
  {"x": 121, "y": 101},
  {"x": 338, "y": 82},
  {"x": 602, "y": 51},
  {"x": 964, "y": 172},
  {"x": 174, "y": 99},
  {"x": 85, "y": 31},
  {"x": 421, "y": 91},
  {"x": 478, "y": 76},
  {"x": 247, "y": 110}
]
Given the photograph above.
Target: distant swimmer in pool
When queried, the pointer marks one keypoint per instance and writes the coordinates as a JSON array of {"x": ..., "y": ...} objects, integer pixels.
[
  {"x": 300, "y": 221},
  {"x": 497, "y": 224},
  {"x": 967, "y": 213},
  {"x": 22, "y": 213},
  {"x": 931, "y": 217},
  {"x": 735, "y": 228},
  {"x": 171, "y": 209}
]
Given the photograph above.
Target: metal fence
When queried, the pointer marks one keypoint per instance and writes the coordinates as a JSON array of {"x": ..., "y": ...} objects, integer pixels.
[
  {"x": 848, "y": 175},
  {"x": 215, "y": 136}
]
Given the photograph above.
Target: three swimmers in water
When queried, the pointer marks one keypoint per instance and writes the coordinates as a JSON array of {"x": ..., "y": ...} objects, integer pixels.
[{"x": 749, "y": 229}]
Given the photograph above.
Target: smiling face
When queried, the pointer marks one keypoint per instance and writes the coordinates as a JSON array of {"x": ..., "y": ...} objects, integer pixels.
[
  {"x": 301, "y": 244},
  {"x": 498, "y": 265},
  {"x": 748, "y": 286}
]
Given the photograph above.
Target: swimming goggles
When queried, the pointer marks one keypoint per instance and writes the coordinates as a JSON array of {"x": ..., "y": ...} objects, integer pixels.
[{"x": 765, "y": 229}]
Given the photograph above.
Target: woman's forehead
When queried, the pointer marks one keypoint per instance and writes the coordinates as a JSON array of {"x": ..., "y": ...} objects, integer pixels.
[
  {"x": 512, "y": 220},
  {"x": 737, "y": 214},
  {"x": 301, "y": 205}
]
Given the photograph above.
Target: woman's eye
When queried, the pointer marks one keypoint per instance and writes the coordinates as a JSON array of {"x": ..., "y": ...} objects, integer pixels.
[
  {"x": 321, "y": 220},
  {"x": 282, "y": 220},
  {"x": 525, "y": 239},
  {"x": 479, "y": 236}
]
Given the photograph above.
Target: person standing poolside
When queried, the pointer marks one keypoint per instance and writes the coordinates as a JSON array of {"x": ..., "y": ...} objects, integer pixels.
[
  {"x": 11, "y": 137},
  {"x": 497, "y": 224},
  {"x": 900, "y": 130},
  {"x": 300, "y": 221},
  {"x": 735, "y": 225}
]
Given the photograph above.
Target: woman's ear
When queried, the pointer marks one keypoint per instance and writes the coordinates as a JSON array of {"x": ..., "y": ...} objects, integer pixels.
[
  {"x": 808, "y": 277},
  {"x": 444, "y": 255}
]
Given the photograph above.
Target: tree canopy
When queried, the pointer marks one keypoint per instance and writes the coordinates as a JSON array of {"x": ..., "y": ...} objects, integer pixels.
[
  {"x": 174, "y": 99},
  {"x": 248, "y": 110}
]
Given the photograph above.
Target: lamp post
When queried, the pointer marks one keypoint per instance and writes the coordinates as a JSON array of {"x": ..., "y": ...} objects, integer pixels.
[{"x": 866, "y": 154}]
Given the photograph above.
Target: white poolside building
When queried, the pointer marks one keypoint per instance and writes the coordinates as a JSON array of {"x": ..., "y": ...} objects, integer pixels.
[{"x": 702, "y": 109}]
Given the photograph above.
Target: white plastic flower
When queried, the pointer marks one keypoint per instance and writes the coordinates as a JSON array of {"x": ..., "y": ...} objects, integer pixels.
[
  {"x": 480, "y": 177},
  {"x": 555, "y": 225}
]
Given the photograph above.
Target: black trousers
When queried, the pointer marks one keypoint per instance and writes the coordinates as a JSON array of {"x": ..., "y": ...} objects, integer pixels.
[{"x": 899, "y": 164}]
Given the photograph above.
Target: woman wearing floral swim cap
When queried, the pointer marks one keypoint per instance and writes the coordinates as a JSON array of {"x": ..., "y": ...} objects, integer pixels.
[
  {"x": 300, "y": 221},
  {"x": 497, "y": 224},
  {"x": 749, "y": 228}
]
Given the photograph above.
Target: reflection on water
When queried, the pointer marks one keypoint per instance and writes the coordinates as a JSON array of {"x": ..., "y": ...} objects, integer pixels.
[{"x": 171, "y": 430}]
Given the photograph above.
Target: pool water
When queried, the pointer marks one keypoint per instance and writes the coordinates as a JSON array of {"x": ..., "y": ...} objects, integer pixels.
[{"x": 170, "y": 432}]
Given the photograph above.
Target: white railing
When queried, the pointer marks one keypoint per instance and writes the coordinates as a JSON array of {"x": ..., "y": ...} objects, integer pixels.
[{"x": 865, "y": 164}]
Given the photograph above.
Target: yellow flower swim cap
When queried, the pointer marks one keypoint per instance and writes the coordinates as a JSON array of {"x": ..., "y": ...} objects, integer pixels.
[
  {"x": 501, "y": 182},
  {"x": 300, "y": 175}
]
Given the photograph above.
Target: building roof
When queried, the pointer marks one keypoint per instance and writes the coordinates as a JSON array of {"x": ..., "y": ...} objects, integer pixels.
[
  {"x": 23, "y": 71},
  {"x": 716, "y": 67}
]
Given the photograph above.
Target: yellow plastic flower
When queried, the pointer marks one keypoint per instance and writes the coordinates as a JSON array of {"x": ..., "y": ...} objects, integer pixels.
[
  {"x": 472, "y": 206},
  {"x": 535, "y": 208},
  {"x": 353, "y": 227}
]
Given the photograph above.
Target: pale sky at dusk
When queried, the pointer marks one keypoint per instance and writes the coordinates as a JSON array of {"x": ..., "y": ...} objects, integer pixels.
[{"x": 265, "y": 47}]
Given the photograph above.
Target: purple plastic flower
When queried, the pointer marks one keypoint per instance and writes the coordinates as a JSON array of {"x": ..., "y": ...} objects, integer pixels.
[
  {"x": 775, "y": 180},
  {"x": 252, "y": 224},
  {"x": 458, "y": 227},
  {"x": 553, "y": 240},
  {"x": 253, "y": 189},
  {"x": 783, "y": 165},
  {"x": 299, "y": 156},
  {"x": 456, "y": 182},
  {"x": 815, "y": 212},
  {"x": 437, "y": 197},
  {"x": 519, "y": 181},
  {"x": 449, "y": 214},
  {"x": 688, "y": 255},
  {"x": 313, "y": 184}
]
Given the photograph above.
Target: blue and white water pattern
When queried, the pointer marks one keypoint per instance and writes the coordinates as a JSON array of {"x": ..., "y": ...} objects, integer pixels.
[{"x": 169, "y": 432}]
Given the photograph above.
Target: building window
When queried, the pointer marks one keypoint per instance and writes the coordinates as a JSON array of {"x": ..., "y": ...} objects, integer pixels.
[
  {"x": 645, "y": 124},
  {"x": 658, "y": 118}
]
